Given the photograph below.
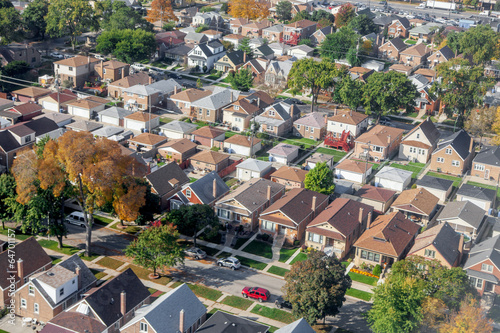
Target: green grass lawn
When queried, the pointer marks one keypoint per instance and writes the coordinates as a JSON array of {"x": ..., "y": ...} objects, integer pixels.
[
  {"x": 224, "y": 255},
  {"x": 98, "y": 274},
  {"x": 366, "y": 296},
  {"x": 92, "y": 256},
  {"x": 143, "y": 273},
  {"x": 237, "y": 302},
  {"x": 278, "y": 270},
  {"x": 205, "y": 292},
  {"x": 456, "y": 180},
  {"x": 259, "y": 249},
  {"x": 308, "y": 143},
  {"x": 231, "y": 182},
  {"x": 110, "y": 263},
  {"x": 176, "y": 284},
  {"x": 55, "y": 260},
  {"x": 230, "y": 134},
  {"x": 363, "y": 278},
  {"x": 240, "y": 242},
  {"x": 276, "y": 314},
  {"x": 101, "y": 220},
  {"x": 192, "y": 179},
  {"x": 414, "y": 169},
  {"x": 251, "y": 263},
  {"x": 52, "y": 245},
  {"x": 285, "y": 254},
  {"x": 299, "y": 257},
  {"x": 165, "y": 120},
  {"x": 412, "y": 114},
  {"x": 330, "y": 151}
]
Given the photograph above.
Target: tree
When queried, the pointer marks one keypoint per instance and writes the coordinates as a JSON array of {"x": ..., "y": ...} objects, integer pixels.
[
  {"x": 190, "y": 220},
  {"x": 201, "y": 28},
  {"x": 362, "y": 24},
  {"x": 353, "y": 58},
  {"x": 34, "y": 17},
  {"x": 7, "y": 192},
  {"x": 302, "y": 15},
  {"x": 156, "y": 247},
  {"x": 10, "y": 24},
  {"x": 244, "y": 45},
  {"x": 316, "y": 287},
  {"x": 127, "y": 45},
  {"x": 453, "y": 41},
  {"x": 15, "y": 68},
  {"x": 496, "y": 7},
  {"x": 227, "y": 45},
  {"x": 345, "y": 15},
  {"x": 349, "y": 92},
  {"x": 241, "y": 80},
  {"x": 480, "y": 42},
  {"x": 480, "y": 121},
  {"x": 206, "y": 9},
  {"x": 321, "y": 14},
  {"x": 284, "y": 11},
  {"x": 249, "y": 9},
  {"x": 305, "y": 41},
  {"x": 313, "y": 75},
  {"x": 336, "y": 45},
  {"x": 123, "y": 17},
  {"x": 161, "y": 10},
  {"x": 199, "y": 84},
  {"x": 70, "y": 17},
  {"x": 224, "y": 8},
  {"x": 388, "y": 92},
  {"x": 461, "y": 87},
  {"x": 470, "y": 318},
  {"x": 320, "y": 179}
]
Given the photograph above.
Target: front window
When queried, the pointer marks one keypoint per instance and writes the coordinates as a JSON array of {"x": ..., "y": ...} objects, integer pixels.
[
  {"x": 223, "y": 213},
  {"x": 448, "y": 151},
  {"x": 377, "y": 149},
  {"x": 71, "y": 69},
  {"x": 144, "y": 327},
  {"x": 36, "y": 308},
  {"x": 479, "y": 167},
  {"x": 487, "y": 268},
  {"x": 315, "y": 238},
  {"x": 455, "y": 163},
  {"x": 23, "y": 303},
  {"x": 478, "y": 283},
  {"x": 429, "y": 253},
  {"x": 266, "y": 225},
  {"x": 31, "y": 290},
  {"x": 188, "y": 193},
  {"x": 370, "y": 256}
]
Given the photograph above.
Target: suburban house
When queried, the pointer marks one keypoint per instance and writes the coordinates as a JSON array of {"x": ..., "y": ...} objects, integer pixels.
[
  {"x": 290, "y": 215},
  {"x": 429, "y": 74},
  {"x": 298, "y": 326},
  {"x": 236, "y": 24},
  {"x": 238, "y": 114},
  {"x": 57, "y": 101},
  {"x": 399, "y": 28},
  {"x": 355, "y": 171},
  {"x": 290, "y": 177},
  {"x": 112, "y": 70},
  {"x": 146, "y": 142},
  {"x": 400, "y": 68},
  {"x": 420, "y": 142},
  {"x": 444, "y": 54},
  {"x": 316, "y": 158},
  {"x": 252, "y": 168},
  {"x": 30, "y": 94},
  {"x": 114, "y": 115},
  {"x": 393, "y": 178},
  {"x": 140, "y": 97},
  {"x": 76, "y": 70},
  {"x": 311, "y": 126},
  {"x": 205, "y": 191},
  {"x": 50, "y": 292},
  {"x": 166, "y": 88},
  {"x": 210, "y": 160},
  {"x": 440, "y": 187},
  {"x": 417, "y": 205},
  {"x": 211, "y": 19},
  {"x": 233, "y": 39},
  {"x": 182, "y": 100},
  {"x": 244, "y": 204},
  {"x": 115, "y": 89},
  {"x": 320, "y": 35},
  {"x": 293, "y": 33},
  {"x": 278, "y": 118},
  {"x": 179, "y": 310},
  {"x": 31, "y": 259},
  {"x": 86, "y": 108},
  {"x": 231, "y": 61},
  {"x": 276, "y": 74},
  {"x": 178, "y": 150},
  {"x": 204, "y": 56},
  {"x": 347, "y": 120},
  {"x": 83, "y": 126},
  {"x": 301, "y": 51},
  {"x": 380, "y": 143},
  {"x": 439, "y": 243},
  {"x": 20, "y": 52},
  {"x": 209, "y": 108},
  {"x": 335, "y": 229},
  {"x": 273, "y": 33},
  {"x": 486, "y": 164},
  {"x": 464, "y": 217},
  {"x": 178, "y": 129},
  {"x": 484, "y": 198},
  {"x": 391, "y": 49},
  {"x": 209, "y": 136},
  {"x": 21, "y": 112},
  {"x": 482, "y": 266},
  {"x": 111, "y": 131},
  {"x": 252, "y": 29},
  {"x": 61, "y": 119},
  {"x": 212, "y": 34},
  {"x": 141, "y": 121},
  {"x": 379, "y": 198},
  {"x": 283, "y": 153},
  {"x": 386, "y": 240},
  {"x": 453, "y": 154},
  {"x": 415, "y": 55},
  {"x": 242, "y": 145},
  {"x": 424, "y": 32},
  {"x": 166, "y": 181},
  {"x": 195, "y": 38}
]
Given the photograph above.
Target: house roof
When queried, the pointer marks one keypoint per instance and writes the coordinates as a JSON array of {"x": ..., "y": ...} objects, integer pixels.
[
  {"x": 435, "y": 183},
  {"x": 71, "y": 322},
  {"x": 352, "y": 166},
  {"x": 115, "y": 112},
  {"x": 401, "y": 68},
  {"x": 179, "y": 145},
  {"x": 404, "y": 21},
  {"x": 236, "y": 57},
  {"x": 85, "y": 104},
  {"x": 196, "y": 36},
  {"x": 132, "y": 80},
  {"x": 179, "y": 127},
  {"x": 166, "y": 86},
  {"x": 65, "y": 95},
  {"x": 298, "y": 326},
  {"x": 301, "y": 24},
  {"x": 33, "y": 255},
  {"x": 142, "y": 116},
  {"x": 417, "y": 200},
  {"x": 379, "y": 135},
  {"x": 212, "y": 32},
  {"x": 488, "y": 249},
  {"x": 242, "y": 106},
  {"x": 477, "y": 193},
  {"x": 319, "y": 157},
  {"x": 242, "y": 140},
  {"x": 343, "y": 215},
  {"x": 203, "y": 187},
  {"x": 237, "y": 22},
  {"x": 113, "y": 64},
  {"x": 55, "y": 117},
  {"x": 32, "y": 92},
  {"x": 291, "y": 174},
  {"x": 397, "y": 43},
  {"x": 254, "y": 165},
  {"x": 140, "y": 89},
  {"x": 274, "y": 28},
  {"x": 283, "y": 149},
  {"x": 315, "y": 119},
  {"x": 459, "y": 141},
  {"x": 464, "y": 210},
  {"x": 223, "y": 322},
  {"x": 108, "y": 131},
  {"x": 27, "y": 108},
  {"x": 148, "y": 139},
  {"x": 447, "y": 53},
  {"x": 191, "y": 95},
  {"x": 264, "y": 50},
  {"x": 166, "y": 178},
  {"x": 489, "y": 155},
  {"x": 40, "y": 126},
  {"x": 217, "y": 100},
  {"x": 417, "y": 50},
  {"x": 84, "y": 125},
  {"x": 21, "y": 130},
  {"x": 394, "y": 174},
  {"x": 375, "y": 193},
  {"x": 388, "y": 234},
  {"x": 233, "y": 36},
  {"x": 76, "y": 61},
  {"x": 426, "y": 72},
  {"x": 428, "y": 129},
  {"x": 444, "y": 239},
  {"x": 209, "y": 132},
  {"x": 210, "y": 157},
  {"x": 348, "y": 117}
]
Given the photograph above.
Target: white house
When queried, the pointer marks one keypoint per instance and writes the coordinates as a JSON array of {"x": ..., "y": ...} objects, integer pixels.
[
  {"x": 242, "y": 145},
  {"x": 353, "y": 171},
  {"x": 252, "y": 168},
  {"x": 393, "y": 178},
  {"x": 301, "y": 51},
  {"x": 114, "y": 115},
  {"x": 347, "y": 120},
  {"x": 283, "y": 153},
  {"x": 140, "y": 121},
  {"x": 206, "y": 54},
  {"x": 178, "y": 129}
]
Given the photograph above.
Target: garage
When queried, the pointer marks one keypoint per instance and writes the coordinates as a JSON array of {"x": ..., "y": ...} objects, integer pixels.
[
  {"x": 484, "y": 198},
  {"x": 353, "y": 171},
  {"x": 393, "y": 178},
  {"x": 141, "y": 120},
  {"x": 79, "y": 112},
  {"x": 134, "y": 125},
  {"x": 51, "y": 106}
]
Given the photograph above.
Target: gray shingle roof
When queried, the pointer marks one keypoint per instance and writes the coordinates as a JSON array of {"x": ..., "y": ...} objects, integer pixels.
[
  {"x": 254, "y": 165},
  {"x": 489, "y": 155},
  {"x": 488, "y": 249},
  {"x": 477, "y": 192},
  {"x": 108, "y": 131},
  {"x": 141, "y": 89},
  {"x": 203, "y": 187},
  {"x": 447, "y": 52},
  {"x": 115, "y": 112},
  {"x": 223, "y": 322},
  {"x": 283, "y": 149},
  {"x": 443, "y": 238},
  {"x": 196, "y": 36},
  {"x": 166, "y": 86},
  {"x": 394, "y": 174},
  {"x": 459, "y": 141},
  {"x": 265, "y": 50},
  {"x": 179, "y": 126},
  {"x": 435, "y": 183},
  {"x": 464, "y": 210},
  {"x": 216, "y": 100},
  {"x": 398, "y": 43},
  {"x": 160, "y": 179},
  {"x": 236, "y": 57},
  {"x": 298, "y": 326}
]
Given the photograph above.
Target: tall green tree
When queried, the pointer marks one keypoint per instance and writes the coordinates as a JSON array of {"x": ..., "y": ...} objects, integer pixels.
[
  {"x": 320, "y": 179},
  {"x": 453, "y": 41},
  {"x": 336, "y": 45},
  {"x": 362, "y": 24},
  {"x": 316, "y": 287},
  {"x": 353, "y": 57},
  {"x": 388, "y": 92},
  {"x": 349, "y": 92},
  {"x": 302, "y": 15},
  {"x": 307, "y": 73},
  {"x": 7, "y": 192},
  {"x": 480, "y": 42},
  {"x": 284, "y": 10},
  {"x": 241, "y": 80},
  {"x": 345, "y": 15},
  {"x": 244, "y": 45},
  {"x": 70, "y": 17},
  {"x": 156, "y": 247},
  {"x": 34, "y": 17},
  {"x": 321, "y": 14},
  {"x": 190, "y": 220},
  {"x": 10, "y": 23},
  {"x": 127, "y": 45},
  {"x": 496, "y": 7},
  {"x": 123, "y": 17}
]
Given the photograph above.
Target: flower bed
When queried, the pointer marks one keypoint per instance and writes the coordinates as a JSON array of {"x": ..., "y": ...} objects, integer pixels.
[{"x": 364, "y": 273}]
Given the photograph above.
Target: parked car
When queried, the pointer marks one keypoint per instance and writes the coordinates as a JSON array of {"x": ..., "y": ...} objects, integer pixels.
[
  {"x": 76, "y": 218},
  {"x": 189, "y": 85},
  {"x": 385, "y": 121},
  {"x": 100, "y": 57},
  {"x": 56, "y": 55},
  {"x": 230, "y": 262},
  {"x": 256, "y": 292},
  {"x": 138, "y": 67},
  {"x": 281, "y": 303},
  {"x": 174, "y": 76},
  {"x": 195, "y": 253}
]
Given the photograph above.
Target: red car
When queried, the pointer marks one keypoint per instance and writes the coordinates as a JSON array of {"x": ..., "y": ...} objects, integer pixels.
[{"x": 259, "y": 293}]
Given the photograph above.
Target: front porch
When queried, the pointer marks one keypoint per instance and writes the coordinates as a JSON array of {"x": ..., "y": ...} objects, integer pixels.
[
  {"x": 290, "y": 234},
  {"x": 236, "y": 216},
  {"x": 327, "y": 241},
  {"x": 418, "y": 218},
  {"x": 371, "y": 257}
]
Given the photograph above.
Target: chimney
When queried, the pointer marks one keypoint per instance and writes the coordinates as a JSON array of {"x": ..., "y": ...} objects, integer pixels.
[
  {"x": 20, "y": 271},
  {"x": 383, "y": 40},
  {"x": 181, "y": 321},
  {"x": 175, "y": 89},
  {"x": 350, "y": 113},
  {"x": 258, "y": 102},
  {"x": 369, "y": 219},
  {"x": 215, "y": 188},
  {"x": 269, "y": 193},
  {"x": 78, "y": 272},
  {"x": 123, "y": 303},
  {"x": 150, "y": 80},
  {"x": 244, "y": 57},
  {"x": 460, "y": 248},
  {"x": 389, "y": 139},
  {"x": 377, "y": 40},
  {"x": 360, "y": 219},
  {"x": 102, "y": 69},
  {"x": 313, "y": 204},
  {"x": 471, "y": 144}
]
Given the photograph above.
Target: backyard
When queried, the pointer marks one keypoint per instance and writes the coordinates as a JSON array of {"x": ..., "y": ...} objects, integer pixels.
[
  {"x": 337, "y": 154},
  {"x": 456, "y": 180},
  {"x": 307, "y": 143},
  {"x": 411, "y": 166}
]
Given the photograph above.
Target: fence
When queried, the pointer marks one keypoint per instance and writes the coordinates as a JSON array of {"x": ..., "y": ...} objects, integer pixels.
[{"x": 226, "y": 171}]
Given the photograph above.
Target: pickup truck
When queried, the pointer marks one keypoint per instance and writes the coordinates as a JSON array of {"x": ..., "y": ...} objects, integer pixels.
[{"x": 138, "y": 67}]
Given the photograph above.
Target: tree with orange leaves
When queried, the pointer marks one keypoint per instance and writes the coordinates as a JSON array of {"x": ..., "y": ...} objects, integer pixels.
[
  {"x": 161, "y": 10},
  {"x": 470, "y": 318},
  {"x": 249, "y": 9}
]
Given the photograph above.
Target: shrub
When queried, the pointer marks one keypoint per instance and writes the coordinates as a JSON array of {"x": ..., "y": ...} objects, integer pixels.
[
  {"x": 132, "y": 229},
  {"x": 259, "y": 236},
  {"x": 414, "y": 186},
  {"x": 265, "y": 237},
  {"x": 296, "y": 242},
  {"x": 303, "y": 248},
  {"x": 377, "y": 270},
  {"x": 349, "y": 260},
  {"x": 3, "y": 312},
  {"x": 215, "y": 148}
]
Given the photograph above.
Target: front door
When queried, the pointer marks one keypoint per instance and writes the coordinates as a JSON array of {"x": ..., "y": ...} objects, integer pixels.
[
  {"x": 282, "y": 230},
  {"x": 489, "y": 287}
]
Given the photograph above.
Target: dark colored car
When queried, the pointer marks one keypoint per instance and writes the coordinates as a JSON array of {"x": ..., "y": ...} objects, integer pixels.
[
  {"x": 280, "y": 303},
  {"x": 256, "y": 292}
]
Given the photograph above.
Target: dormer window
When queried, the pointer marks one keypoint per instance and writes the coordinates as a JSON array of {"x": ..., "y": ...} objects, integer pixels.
[
  {"x": 61, "y": 292},
  {"x": 487, "y": 268}
]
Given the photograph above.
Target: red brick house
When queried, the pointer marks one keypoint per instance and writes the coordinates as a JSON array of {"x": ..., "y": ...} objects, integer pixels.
[
  {"x": 205, "y": 191},
  {"x": 483, "y": 265},
  {"x": 295, "y": 32},
  {"x": 22, "y": 112},
  {"x": 399, "y": 28},
  {"x": 209, "y": 136}
]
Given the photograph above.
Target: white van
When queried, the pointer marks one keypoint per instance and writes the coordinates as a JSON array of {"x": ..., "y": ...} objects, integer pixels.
[
  {"x": 76, "y": 218},
  {"x": 421, "y": 6}
]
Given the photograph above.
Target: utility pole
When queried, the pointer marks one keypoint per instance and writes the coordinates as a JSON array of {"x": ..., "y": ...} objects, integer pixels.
[
  {"x": 367, "y": 150},
  {"x": 149, "y": 107},
  {"x": 252, "y": 128}
]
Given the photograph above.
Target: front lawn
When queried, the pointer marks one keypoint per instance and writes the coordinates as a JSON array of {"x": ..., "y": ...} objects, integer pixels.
[
  {"x": 307, "y": 143},
  {"x": 52, "y": 245},
  {"x": 224, "y": 255},
  {"x": 240, "y": 242},
  {"x": 363, "y": 278},
  {"x": 237, "y": 302},
  {"x": 55, "y": 260},
  {"x": 278, "y": 270},
  {"x": 192, "y": 179},
  {"x": 143, "y": 273},
  {"x": 272, "y": 313},
  {"x": 92, "y": 256},
  {"x": 456, "y": 180},
  {"x": 412, "y": 168},
  {"x": 101, "y": 220},
  {"x": 252, "y": 263},
  {"x": 286, "y": 254},
  {"x": 110, "y": 263},
  {"x": 209, "y": 250},
  {"x": 299, "y": 257},
  {"x": 259, "y": 249},
  {"x": 205, "y": 292},
  {"x": 366, "y": 296}
]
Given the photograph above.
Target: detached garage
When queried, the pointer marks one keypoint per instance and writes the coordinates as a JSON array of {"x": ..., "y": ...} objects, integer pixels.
[
  {"x": 393, "y": 178},
  {"x": 353, "y": 171},
  {"x": 57, "y": 101},
  {"x": 85, "y": 108},
  {"x": 140, "y": 121},
  {"x": 242, "y": 145},
  {"x": 252, "y": 168},
  {"x": 484, "y": 198},
  {"x": 114, "y": 115}
]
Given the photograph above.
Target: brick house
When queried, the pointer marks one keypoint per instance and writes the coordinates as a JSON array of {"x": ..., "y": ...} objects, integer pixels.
[
  {"x": 238, "y": 114},
  {"x": 335, "y": 229},
  {"x": 146, "y": 141},
  {"x": 290, "y": 215},
  {"x": 236, "y": 24},
  {"x": 205, "y": 191},
  {"x": 231, "y": 61},
  {"x": 417, "y": 205},
  {"x": 482, "y": 266},
  {"x": 444, "y": 54},
  {"x": 320, "y": 35},
  {"x": 209, "y": 136},
  {"x": 115, "y": 89},
  {"x": 453, "y": 154},
  {"x": 486, "y": 164},
  {"x": 140, "y": 97},
  {"x": 377, "y": 197},
  {"x": 22, "y": 112},
  {"x": 76, "y": 70},
  {"x": 253, "y": 30},
  {"x": 420, "y": 142},
  {"x": 273, "y": 33},
  {"x": 209, "y": 108},
  {"x": 112, "y": 70},
  {"x": 182, "y": 100},
  {"x": 258, "y": 69},
  {"x": 30, "y": 94},
  {"x": 347, "y": 120},
  {"x": 399, "y": 28},
  {"x": 381, "y": 142},
  {"x": 415, "y": 55},
  {"x": 299, "y": 30},
  {"x": 464, "y": 217},
  {"x": 210, "y": 160},
  {"x": 278, "y": 118},
  {"x": 391, "y": 49},
  {"x": 177, "y": 150},
  {"x": 311, "y": 126},
  {"x": 166, "y": 181},
  {"x": 20, "y": 52},
  {"x": 290, "y": 177},
  {"x": 406, "y": 70}
]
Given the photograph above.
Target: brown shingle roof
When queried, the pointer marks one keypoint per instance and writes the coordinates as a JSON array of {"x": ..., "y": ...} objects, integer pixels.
[
  {"x": 76, "y": 61},
  {"x": 388, "y": 234},
  {"x": 131, "y": 80},
  {"x": 112, "y": 64},
  {"x": 242, "y": 140},
  {"x": 348, "y": 117},
  {"x": 417, "y": 200},
  {"x": 242, "y": 106},
  {"x": 208, "y": 132},
  {"x": 73, "y": 322},
  {"x": 141, "y": 116},
  {"x": 301, "y": 24},
  {"x": 209, "y": 157},
  {"x": 27, "y": 108},
  {"x": 180, "y": 145},
  {"x": 379, "y": 135},
  {"x": 417, "y": 50},
  {"x": 353, "y": 166},
  {"x": 191, "y": 95},
  {"x": 400, "y": 68},
  {"x": 85, "y": 104},
  {"x": 234, "y": 36},
  {"x": 32, "y": 92},
  {"x": 148, "y": 139},
  {"x": 289, "y": 173},
  {"x": 426, "y": 72},
  {"x": 375, "y": 193}
]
